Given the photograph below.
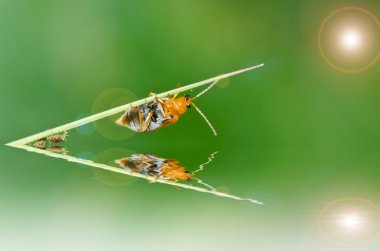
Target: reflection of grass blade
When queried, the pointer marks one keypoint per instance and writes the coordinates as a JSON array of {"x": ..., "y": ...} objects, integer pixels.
[
  {"x": 124, "y": 171},
  {"x": 122, "y": 108}
]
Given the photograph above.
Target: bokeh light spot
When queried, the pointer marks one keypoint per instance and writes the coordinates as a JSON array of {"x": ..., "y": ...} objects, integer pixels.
[
  {"x": 86, "y": 155},
  {"x": 86, "y": 129},
  {"x": 112, "y": 98},
  {"x": 108, "y": 157},
  {"x": 224, "y": 83}
]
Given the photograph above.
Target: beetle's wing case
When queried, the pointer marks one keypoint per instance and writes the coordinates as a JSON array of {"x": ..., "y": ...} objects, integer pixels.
[
  {"x": 158, "y": 116},
  {"x": 130, "y": 118}
]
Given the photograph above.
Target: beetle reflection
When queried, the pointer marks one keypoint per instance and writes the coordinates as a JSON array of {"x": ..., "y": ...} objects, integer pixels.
[
  {"x": 156, "y": 167},
  {"x": 49, "y": 143}
]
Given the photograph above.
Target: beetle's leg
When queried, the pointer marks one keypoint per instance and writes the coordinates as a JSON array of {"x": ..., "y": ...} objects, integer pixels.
[
  {"x": 175, "y": 95},
  {"x": 165, "y": 112},
  {"x": 154, "y": 179},
  {"x": 147, "y": 121},
  {"x": 140, "y": 117},
  {"x": 158, "y": 100},
  {"x": 162, "y": 108}
]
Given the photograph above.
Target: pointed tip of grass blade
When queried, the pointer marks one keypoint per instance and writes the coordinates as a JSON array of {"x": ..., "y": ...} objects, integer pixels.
[
  {"x": 253, "y": 67},
  {"x": 245, "y": 70},
  {"x": 227, "y": 75},
  {"x": 11, "y": 144},
  {"x": 257, "y": 66}
]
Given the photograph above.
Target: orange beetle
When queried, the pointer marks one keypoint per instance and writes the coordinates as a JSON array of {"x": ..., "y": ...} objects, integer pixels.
[{"x": 158, "y": 113}]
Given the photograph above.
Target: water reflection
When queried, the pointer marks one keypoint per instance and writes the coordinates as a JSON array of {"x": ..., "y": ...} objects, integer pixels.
[
  {"x": 168, "y": 171},
  {"x": 57, "y": 149},
  {"x": 147, "y": 166},
  {"x": 50, "y": 143},
  {"x": 162, "y": 168},
  {"x": 156, "y": 167}
]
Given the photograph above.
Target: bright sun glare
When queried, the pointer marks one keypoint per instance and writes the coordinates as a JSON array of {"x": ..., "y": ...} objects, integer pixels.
[
  {"x": 351, "y": 40},
  {"x": 351, "y": 221}
]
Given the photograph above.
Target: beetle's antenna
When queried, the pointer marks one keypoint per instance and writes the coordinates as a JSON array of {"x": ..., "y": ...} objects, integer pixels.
[
  {"x": 206, "y": 90},
  {"x": 204, "y": 117}
]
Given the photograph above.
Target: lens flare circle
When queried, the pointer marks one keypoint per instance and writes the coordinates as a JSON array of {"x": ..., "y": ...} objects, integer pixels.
[
  {"x": 108, "y": 157},
  {"x": 108, "y": 99},
  {"x": 353, "y": 43}
]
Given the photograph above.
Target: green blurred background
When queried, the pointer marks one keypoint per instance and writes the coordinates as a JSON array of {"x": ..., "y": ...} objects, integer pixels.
[{"x": 296, "y": 134}]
